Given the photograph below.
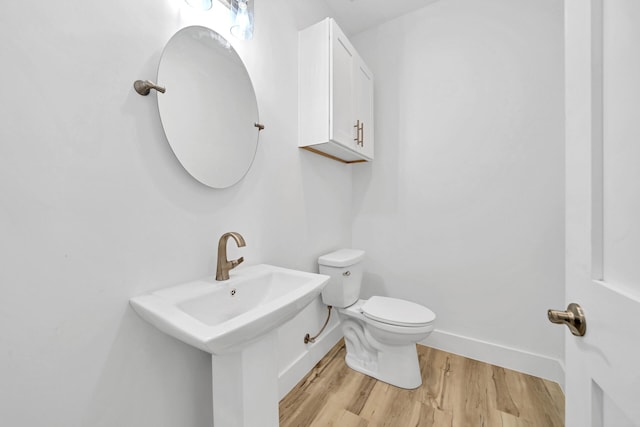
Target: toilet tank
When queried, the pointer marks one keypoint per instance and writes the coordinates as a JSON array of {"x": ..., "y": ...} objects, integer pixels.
[{"x": 344, "y": 266}]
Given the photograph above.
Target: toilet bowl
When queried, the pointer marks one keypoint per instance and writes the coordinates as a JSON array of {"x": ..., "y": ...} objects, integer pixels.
[{"x": 380, "y": 333}]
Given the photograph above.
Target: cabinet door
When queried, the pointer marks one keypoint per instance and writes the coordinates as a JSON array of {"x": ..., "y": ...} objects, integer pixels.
[
  {"x": 364, "y": 107},
  {"x": 342, "y": 126}
]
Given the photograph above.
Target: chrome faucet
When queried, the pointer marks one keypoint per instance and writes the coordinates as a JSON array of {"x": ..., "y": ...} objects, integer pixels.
[{"x": 224, "y": 265}]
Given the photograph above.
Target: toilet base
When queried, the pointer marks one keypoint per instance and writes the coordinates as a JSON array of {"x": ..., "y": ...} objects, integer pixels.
[
  {"x": 408, "y": 379},
  {"x": 393, "y": 364}
]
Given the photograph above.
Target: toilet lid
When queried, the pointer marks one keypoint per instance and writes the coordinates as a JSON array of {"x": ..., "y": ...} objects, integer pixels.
[{"x": 397, "y": 312}]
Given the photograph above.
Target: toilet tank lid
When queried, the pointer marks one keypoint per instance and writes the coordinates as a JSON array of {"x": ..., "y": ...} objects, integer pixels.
[{"x": 341, "y": 258}]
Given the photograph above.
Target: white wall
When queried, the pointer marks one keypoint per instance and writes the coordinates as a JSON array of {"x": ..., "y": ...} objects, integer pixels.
[
  {"x": 462, "y": 210},
  {"x": 94, "y": 209}
]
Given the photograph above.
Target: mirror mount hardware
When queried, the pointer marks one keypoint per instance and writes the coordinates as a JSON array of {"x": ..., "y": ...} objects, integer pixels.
[{"x": 144, "y": 87}]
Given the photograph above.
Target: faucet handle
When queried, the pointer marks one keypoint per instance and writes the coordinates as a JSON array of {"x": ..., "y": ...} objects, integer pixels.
[{"x": 235, "y": 262}]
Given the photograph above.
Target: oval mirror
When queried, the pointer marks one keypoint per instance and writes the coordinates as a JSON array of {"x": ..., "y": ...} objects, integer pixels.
[{"x": 209, "y": 111}]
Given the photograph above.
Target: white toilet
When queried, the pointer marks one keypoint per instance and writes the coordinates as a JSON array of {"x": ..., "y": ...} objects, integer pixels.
[{"x": 380, "y": 333}]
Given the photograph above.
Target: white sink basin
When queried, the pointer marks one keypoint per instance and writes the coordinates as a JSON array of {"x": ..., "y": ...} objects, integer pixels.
[{"x": 223, "y": 317}]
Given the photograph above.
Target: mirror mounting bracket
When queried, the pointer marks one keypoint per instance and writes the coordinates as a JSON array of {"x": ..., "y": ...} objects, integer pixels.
[{"x": 144, "y": 87}]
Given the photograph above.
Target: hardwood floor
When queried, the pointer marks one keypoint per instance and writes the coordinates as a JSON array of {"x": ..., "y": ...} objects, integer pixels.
[{"x": 456, "y": 392}]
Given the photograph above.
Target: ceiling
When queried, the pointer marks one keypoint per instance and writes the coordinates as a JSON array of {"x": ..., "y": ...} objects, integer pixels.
[{"x": 355, "y": 16}]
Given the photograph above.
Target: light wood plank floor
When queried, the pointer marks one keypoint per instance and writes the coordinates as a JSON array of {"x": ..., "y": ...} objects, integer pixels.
[{"x": 456, "y": 392}]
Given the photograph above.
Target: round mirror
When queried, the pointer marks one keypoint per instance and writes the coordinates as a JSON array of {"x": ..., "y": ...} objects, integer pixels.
[{"x": 209, "y": 111}]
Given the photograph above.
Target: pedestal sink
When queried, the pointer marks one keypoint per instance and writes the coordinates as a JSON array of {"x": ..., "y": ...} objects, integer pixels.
[{"x": 236, "y": 320}]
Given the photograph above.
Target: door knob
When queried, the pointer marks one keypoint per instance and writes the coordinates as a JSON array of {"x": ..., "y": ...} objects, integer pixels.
[{"x": 573, "y": 317}]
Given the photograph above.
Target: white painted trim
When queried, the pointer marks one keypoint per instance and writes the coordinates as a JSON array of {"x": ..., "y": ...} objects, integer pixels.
[
  {"x": 484, "y": 351},
  {"x": 499, "y": 355},
  {"x": 292, "y": 374}
]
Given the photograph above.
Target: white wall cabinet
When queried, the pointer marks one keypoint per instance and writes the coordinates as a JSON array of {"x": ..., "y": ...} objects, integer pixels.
[{"x": 336, "y": 96}]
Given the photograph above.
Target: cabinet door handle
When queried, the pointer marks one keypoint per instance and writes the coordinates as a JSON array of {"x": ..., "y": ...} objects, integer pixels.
[
  {"x": 357, "y": 126},
  {"x": 362, "y": 134}
]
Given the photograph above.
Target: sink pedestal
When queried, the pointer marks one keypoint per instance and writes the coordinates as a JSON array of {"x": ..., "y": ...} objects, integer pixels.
[
  {"x": 245, "y": 385},
  {"x": 222, "y": 318}
]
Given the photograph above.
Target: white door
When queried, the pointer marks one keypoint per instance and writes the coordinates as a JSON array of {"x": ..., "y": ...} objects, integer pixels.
[{"x": 602, "y": 44}]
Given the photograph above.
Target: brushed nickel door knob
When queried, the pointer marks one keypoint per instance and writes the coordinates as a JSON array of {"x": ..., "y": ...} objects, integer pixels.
[{"x": 573, "y": 317}]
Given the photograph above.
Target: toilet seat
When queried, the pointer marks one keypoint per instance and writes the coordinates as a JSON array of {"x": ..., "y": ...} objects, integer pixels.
[{"x": 397, "y": 312}]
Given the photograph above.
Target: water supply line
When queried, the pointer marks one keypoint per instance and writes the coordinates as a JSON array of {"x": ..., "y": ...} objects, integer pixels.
[{"x": 309, "y": 339}]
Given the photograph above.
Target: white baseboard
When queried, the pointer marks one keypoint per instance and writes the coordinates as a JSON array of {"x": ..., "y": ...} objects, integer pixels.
[
  {"x": 484, "y": 351},
  {"x": 495, "y": 354},
  {"x": 292, "y": 374}
]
